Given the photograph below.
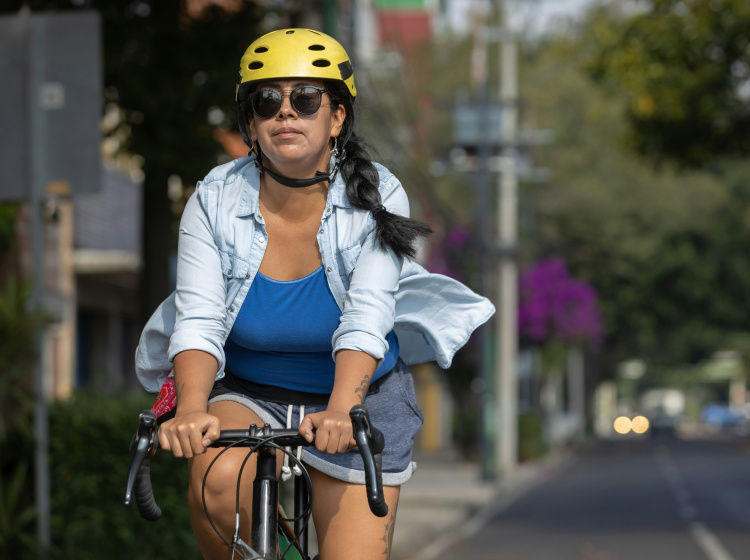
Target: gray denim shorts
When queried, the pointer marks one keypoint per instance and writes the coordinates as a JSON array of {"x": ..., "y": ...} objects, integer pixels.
[{"x": 393, "y": 410}]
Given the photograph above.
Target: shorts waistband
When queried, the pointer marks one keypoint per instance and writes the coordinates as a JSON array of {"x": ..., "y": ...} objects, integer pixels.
[{"x": 281, "y": 395}]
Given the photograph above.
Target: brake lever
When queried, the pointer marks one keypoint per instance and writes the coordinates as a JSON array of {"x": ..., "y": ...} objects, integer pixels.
[
  {"x": 142, "y": 447},
  {"x": 371, "y": 443}
]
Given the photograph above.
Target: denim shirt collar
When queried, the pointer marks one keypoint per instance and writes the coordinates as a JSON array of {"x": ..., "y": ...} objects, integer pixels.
[{"x": 250, "y": 177}]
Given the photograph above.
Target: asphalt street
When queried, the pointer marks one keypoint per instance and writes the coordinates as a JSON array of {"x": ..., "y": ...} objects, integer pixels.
[{"x": 628, "y": 499}]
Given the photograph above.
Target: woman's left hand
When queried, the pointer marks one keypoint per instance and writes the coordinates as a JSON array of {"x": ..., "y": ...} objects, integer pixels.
[{"x": 333, "y": 431}]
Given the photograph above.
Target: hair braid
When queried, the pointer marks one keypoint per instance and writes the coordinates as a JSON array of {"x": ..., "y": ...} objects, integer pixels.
[{"x": 392, "y": 231}]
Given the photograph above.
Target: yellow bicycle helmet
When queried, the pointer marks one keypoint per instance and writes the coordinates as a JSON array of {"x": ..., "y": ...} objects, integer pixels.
[{"x": 295, "y": 53}]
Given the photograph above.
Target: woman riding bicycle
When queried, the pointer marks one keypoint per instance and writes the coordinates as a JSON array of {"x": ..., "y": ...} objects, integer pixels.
[{"x": 296, "y": 299}]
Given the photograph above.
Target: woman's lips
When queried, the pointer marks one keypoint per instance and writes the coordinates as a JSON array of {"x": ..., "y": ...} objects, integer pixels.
[{"x": 286, "y": 132}]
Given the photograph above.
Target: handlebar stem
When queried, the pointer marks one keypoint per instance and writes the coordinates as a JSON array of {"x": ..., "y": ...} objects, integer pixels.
[{"x": 265, "y": 525}]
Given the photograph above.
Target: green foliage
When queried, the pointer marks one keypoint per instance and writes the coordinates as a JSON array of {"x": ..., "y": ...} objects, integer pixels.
[
  {"x": 89, "y": 457},
  {"x": 531, "y": 442},
  {"x": 17, "y": 331},
  {"x": 16, "y": 511},
  {"x": 684, "y": 68},
  {"x": 664, "y": 249},
  {"x": 18, "y": 326}
]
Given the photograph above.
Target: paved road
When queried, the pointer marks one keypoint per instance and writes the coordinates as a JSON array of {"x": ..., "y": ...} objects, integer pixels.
[{"x": 629, "y": 500}]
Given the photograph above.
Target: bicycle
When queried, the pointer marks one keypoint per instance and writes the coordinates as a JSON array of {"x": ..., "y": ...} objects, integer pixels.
[{"x": 270, "y": 528}]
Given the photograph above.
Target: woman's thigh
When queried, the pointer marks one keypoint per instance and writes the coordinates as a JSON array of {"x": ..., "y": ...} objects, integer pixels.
[
  {"x": 344, "y": 522},
  {"x": 221, "y": 481}
]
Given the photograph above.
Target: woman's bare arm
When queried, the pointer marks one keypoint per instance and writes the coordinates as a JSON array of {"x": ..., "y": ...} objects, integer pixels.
[
  {"x": 192, "y": 429},
  {"x": 354, "y": 370}
]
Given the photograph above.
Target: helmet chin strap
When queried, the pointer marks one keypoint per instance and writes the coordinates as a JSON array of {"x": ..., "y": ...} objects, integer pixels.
[{"x": 300, "y": 183}]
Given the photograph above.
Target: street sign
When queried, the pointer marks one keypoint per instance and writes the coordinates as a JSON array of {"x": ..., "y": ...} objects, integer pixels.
[
  {"x": 474, "y": 125},
  {"x": 50, "y": 64},
  {"x": 14, "y": 113}
]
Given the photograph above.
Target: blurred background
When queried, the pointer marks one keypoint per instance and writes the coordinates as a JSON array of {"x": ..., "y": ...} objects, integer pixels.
[{"x": 582, "y": 164}]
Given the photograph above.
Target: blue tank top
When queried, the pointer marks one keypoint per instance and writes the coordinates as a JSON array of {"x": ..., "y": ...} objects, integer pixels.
[{"x": 282, "y": 335}]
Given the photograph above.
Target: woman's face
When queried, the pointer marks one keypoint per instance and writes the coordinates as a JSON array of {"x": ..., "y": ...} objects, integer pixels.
[{"x": 290, "y": 139}]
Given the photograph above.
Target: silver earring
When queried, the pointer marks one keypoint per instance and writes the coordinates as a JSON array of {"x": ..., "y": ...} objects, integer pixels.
[{"x": 335, "y": 151}]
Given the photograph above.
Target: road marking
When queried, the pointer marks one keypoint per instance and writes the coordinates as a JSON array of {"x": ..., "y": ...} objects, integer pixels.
[{"x": 709, "y": 542}]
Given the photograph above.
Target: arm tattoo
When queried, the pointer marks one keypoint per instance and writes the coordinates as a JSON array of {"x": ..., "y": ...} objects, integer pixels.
[
  {"x": 362, "y": 389},
  {"x": 388, "y": 536}
]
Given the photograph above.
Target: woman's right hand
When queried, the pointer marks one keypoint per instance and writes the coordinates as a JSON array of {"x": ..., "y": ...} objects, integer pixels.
[{"x": 189, "y": 434}]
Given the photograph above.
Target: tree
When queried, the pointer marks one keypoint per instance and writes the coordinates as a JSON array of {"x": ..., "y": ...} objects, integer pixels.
[
  {"x": 557, "y": 307},
  {"x": 171, "y": 69},
  {"x": 664, "y": 250},
  {"x": 684, "y": 69}
]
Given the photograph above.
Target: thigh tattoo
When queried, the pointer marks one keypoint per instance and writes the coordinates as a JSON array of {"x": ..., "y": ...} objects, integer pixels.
[{"x": 388, "y": 536}]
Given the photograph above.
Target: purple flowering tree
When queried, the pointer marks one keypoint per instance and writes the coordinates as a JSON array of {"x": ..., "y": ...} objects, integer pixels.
[
  {"x": 554, "y": 307},
  {"x": 560, "y": 314}
]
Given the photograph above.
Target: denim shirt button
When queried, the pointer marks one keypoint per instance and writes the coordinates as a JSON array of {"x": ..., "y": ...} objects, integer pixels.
[
  {"x": 328, "y": 269},
  {"x": 247, "y": 276},
  {"x": 229, "y": 272},
  {"x": 231, "y": 308},
  {"x": 262, "y": 239},
  {"x": 328, "y": 210},
  {"x": 321, "y": 230}
]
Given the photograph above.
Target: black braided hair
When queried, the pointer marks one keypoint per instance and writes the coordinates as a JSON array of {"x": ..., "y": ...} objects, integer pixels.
[{"x": 392, "y": 231}]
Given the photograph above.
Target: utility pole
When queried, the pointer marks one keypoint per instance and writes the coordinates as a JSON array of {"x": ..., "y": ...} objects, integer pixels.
[
  {"x": 39, "y": 176},
  {"x": 481, "y": 85},
  {"x": 365, "y": 39},
  {"x": 507, "y": 240}
]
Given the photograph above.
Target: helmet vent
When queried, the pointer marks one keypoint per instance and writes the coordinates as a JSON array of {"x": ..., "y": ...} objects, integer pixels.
[
  {"x": 261, "y": 50},
  {"x": 316, "y": 48},
  {"x": 290, "y": 32},
  {"x": 321, "y": 63},
  {"x": 255, "y": 65}
]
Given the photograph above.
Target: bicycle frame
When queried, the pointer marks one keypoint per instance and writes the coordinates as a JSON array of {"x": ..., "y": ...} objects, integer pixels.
[{"x": 265, "y": 532}]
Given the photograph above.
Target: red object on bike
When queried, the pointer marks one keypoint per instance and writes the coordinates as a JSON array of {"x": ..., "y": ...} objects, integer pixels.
[{"x": 167, "y": 399}]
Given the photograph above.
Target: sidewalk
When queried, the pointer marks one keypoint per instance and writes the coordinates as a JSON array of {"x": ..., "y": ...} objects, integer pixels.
[{"x": 446, "y": 501}]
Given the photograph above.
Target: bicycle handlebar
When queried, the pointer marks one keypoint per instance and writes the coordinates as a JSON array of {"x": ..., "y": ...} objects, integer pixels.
[{"x": 370, "y": 442}]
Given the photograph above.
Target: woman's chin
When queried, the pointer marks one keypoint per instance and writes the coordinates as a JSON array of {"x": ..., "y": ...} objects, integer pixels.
[{"x": 292, "y": 160}]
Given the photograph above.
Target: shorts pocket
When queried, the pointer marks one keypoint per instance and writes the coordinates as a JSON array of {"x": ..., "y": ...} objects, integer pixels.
[{"x": 406, "y": 384}]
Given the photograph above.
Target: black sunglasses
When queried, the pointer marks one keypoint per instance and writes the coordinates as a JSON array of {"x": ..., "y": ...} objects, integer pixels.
[{"x": 305, "y": 100}]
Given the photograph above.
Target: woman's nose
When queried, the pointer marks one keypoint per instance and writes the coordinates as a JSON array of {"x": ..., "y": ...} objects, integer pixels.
[{"x": 286, "y": 105}]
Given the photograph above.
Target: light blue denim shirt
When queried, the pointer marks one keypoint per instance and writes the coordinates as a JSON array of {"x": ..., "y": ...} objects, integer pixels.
[{"x": 222, "y": 241}]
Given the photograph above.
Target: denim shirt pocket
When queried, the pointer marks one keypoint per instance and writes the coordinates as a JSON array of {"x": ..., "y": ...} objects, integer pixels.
[
  {"x": 349, "y": 257},
  {"x": 235, "y": 271}
]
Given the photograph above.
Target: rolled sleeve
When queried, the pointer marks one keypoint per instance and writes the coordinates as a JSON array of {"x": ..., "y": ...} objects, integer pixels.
[
  {"x": 369, "y": 308},
  {"x": 201, "y": 289}
]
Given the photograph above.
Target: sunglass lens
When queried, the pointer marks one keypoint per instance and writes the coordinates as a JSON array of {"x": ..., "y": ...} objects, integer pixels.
[
  {"x": 266, "y": 103},
  {"x": 306, "y": 100}
]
